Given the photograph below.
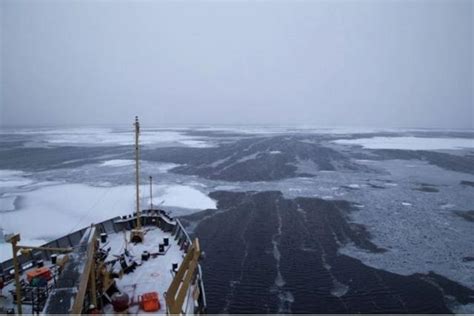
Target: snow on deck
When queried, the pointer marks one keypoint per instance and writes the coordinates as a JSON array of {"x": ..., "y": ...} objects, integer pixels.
[{"x": 154, "y": 275}]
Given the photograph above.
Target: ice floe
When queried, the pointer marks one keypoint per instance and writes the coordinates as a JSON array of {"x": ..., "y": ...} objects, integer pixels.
[
  {"x": 339, "y": 289},
  {"x": 164, "y": 167},
  {"x": 155, "y": 166},
  {"x": 186, "y": 197},
  {"x": 117, "y": 163},
  {"x": 354, "y": 186},
  {"x": 409, "y": 143}
]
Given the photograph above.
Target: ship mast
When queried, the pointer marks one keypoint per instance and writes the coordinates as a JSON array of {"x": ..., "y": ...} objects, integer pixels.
[
  {"x": 151, "y": 193},
  {"x": 137, "y": 170},
  {"x": 137, "y": 233}
]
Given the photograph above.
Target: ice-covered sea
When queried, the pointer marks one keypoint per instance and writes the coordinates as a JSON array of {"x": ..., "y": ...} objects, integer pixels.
[{"x": 412, "y": 194}]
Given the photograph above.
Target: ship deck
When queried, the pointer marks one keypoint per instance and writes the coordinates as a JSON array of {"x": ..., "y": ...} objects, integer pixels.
[{"x": 152, "y": 275}]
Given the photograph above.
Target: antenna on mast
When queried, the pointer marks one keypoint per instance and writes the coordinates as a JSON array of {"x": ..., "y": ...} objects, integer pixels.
[{"x": 137, "y": 233}]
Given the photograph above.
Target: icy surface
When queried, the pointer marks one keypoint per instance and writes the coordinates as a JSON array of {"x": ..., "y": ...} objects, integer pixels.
[
  {"x": 51, "y": 211},
  {"x": 409, "y": 143}
]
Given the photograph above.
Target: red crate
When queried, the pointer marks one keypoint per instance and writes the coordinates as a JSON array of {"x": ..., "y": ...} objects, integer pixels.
[
  {"x": 42, "y": 272},
  {"x": 149, "y": 302}
]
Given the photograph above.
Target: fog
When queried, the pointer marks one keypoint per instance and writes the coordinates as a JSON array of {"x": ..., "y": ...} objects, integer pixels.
[{"x": 323, "y": 63}]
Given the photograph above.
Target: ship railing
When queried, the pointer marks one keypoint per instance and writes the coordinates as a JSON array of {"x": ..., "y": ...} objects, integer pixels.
[{"x": 185, "y": 241}]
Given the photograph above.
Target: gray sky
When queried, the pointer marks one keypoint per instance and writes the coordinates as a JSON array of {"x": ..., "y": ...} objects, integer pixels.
[{"x": 345, "y": 63}]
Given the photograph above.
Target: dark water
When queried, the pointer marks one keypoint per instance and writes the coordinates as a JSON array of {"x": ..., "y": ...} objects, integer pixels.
[{"x": 242, "y": 270}]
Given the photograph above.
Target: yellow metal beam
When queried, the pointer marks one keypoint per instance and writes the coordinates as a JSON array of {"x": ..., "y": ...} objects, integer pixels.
[
  {"x": 92, "y": 281},
  {"x": 182, "y": 281},
  {"x": 85, "y": 277},
  {"x": 14, "y": 239},
  {"x": 45, "y": 248}
]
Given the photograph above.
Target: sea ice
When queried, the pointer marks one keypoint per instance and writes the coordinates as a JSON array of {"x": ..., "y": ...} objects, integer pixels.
[
  {"x": 409, "y": 143},
  {"x": 107, "y": 137},
  {"x": 55, "y": 210},
  {"x": 303, "y": 129}
]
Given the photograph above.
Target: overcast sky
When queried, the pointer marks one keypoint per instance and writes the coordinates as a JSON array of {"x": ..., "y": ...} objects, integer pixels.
[{"x": 327, "y": 63}]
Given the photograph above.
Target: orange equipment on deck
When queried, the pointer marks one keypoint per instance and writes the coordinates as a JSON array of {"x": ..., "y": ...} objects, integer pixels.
[
  {"x": 149, "y": 302},
  {"x": 42, "y": 272}
]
